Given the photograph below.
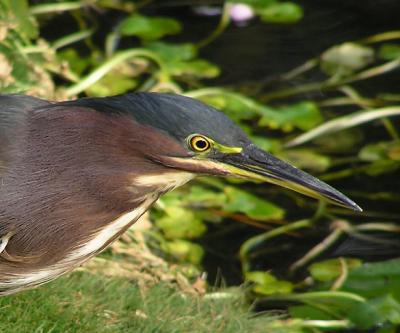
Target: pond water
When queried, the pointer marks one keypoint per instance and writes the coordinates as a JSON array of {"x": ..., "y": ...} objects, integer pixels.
[{"x": 258, "y": 52}]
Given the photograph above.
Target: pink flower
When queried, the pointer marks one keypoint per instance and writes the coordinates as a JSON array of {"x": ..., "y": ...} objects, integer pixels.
[{"x": 241, "y": 12}]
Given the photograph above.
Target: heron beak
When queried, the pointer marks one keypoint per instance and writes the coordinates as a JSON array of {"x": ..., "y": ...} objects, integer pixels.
[{"x": 254, "y": 163}]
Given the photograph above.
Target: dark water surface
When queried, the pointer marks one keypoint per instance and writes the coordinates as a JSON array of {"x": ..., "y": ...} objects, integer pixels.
[{"x": 258, "y": 52}]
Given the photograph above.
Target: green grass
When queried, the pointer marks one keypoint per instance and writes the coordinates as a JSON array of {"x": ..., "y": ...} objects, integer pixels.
[{"x": 84, "y": 302}]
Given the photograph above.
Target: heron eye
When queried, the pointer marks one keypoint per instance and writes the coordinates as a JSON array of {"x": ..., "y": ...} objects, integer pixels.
[{"x": 199, "y": 143}]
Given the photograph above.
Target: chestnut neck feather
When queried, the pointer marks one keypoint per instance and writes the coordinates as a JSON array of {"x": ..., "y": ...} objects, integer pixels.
[{"x": 70, "y": 175}]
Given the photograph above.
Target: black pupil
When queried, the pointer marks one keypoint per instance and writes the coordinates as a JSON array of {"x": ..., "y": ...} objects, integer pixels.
[{"x": 201, "y": 144}]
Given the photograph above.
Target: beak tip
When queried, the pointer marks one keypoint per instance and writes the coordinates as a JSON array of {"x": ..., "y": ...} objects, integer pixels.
[
  {"x": 357, "y": 208},
  {"x": 353, "y": 206}
]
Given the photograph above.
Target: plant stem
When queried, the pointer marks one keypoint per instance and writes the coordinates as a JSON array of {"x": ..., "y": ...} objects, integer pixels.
[
  {"x": 343, "y": 275},
  {"x": 72, "y": 38},
  {"x": 321, "y": 247},
  {"x": 345, "y": 122},
  {"x": 248, "y": 245},
  {"x": 320, "y": 295},
  {"x": 106, "y": 67},
  {"x": 382, "y": 37},
  {"x": 223, "y": 23},
  {"x": 328, "y": 84},
  {"x": 47, "y": 8}
]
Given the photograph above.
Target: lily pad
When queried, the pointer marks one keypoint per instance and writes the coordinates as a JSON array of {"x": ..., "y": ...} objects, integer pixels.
[
  {"x": 303, "y": 115},
  {"x": 181, "y": 223},
  {"x": 267, "y": 284},
  {"x": 149, "y": 28},
  {"x": 184, "y": 251},
  {"x": 239, "y": 201},
  {"x": 346, "y": 58}
]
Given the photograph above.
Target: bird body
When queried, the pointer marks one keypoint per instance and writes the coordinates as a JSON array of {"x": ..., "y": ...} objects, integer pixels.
[{"x": 75, "y": 175}]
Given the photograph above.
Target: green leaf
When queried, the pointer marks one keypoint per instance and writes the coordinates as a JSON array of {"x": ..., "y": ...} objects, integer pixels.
[
  {"x": 381, "y": 150},
  {"x": 172, "y": 52},
  {"x": 273, "y": 11},
  {"x": 267, "y": 284},
  {"x": 376, "y": 312},
  {"x": 149, "y": 28},
  {"x": 184, "y": 251},
  {"x": 340, "y": 142},
  {"x": 364, "y": 316},
  {"x": 303, "y": 115},
  {"x": 239, "y": 201},
  {"x": 346, "y": 58},
  {"x": 309, "y": 312},
  {"x": 233, "y": 107},
  {"x": 389, "y": 51},
  {"x": 77, "y": 62},
  {"x": 307, "y": 159},
  {"x": 266, "y": 144},
  {"x": 388, "y": 308},
  {"x": 26, "y": 22},
  {"x": 197, "y": 68},
  {"x": 178, "y": 59},
  {"x": 203, "y": 197},
  {"x": 281, "y": 12},
  {"x": 331, "y": 269},
  {"x": 375, "y": 279},
  {"x": 381, "y": 167},
  {"x": 180, "y": 223},
  {"x": 112, "y": 84}
]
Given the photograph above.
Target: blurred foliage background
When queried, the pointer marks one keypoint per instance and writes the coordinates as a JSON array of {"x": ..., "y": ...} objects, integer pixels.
[{"x": 314, "y": 83}]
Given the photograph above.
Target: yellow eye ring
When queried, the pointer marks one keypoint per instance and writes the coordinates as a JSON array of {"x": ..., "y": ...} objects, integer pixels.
[{"x": 199, "y": 143}]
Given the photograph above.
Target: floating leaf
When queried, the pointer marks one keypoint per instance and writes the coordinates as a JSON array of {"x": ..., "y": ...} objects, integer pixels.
[
  {"x": 181, "y": 223},
  {"x": 364, "y": 316},
  {"x": 303, "y": 115},
  {"x": 273, "y": 11},
  {"x": 149, "y": 28},
  {"x": 169, "y": 52},
  {"x": 375, "y": 279},
  {"x": 385, "y": 157},
  {"x": 346, "y": 58},
  {"x": 310, "y": 313},
  {"x": 389, "y": 51},
  {"x": 381, "y": 150},
  {"x": 239, "y": 201},
  {"x": 198, "y": 68},
  {"x": 184, "y": 251},
  {"x": 388, "y": 308},
  {"x": 375, "y": 312},
  {"x": 281, "y": 12},
  {"x": 331, "y": 269},
  {"x": 382, "y": 166},
  {"x": 233, "y": 107},
  {"x": 266, "y": 144},
  {"x": 200, "y": 196},
  {"x": 267, "y": 284},
  {"x": 179, "y": 60}
]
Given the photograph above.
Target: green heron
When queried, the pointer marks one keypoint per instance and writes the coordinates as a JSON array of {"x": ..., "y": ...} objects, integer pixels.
[{"x": 75, "y": 175}]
